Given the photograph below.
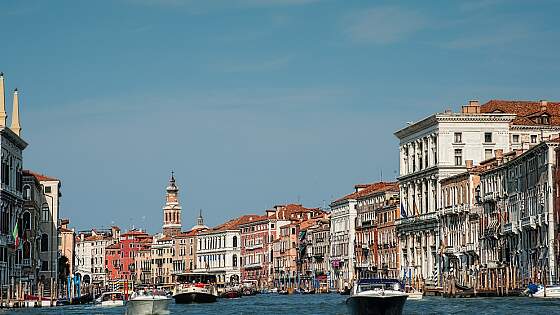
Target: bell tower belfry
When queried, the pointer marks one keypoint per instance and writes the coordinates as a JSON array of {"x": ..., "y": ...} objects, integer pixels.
[{"x": 172, "y": 209}]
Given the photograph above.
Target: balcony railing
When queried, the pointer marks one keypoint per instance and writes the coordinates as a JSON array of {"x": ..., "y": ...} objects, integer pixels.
[
  {"x": 425, "y": 217},
  {"x": 256, "y": 265},
  {"x": 529, "y": 222},
  {"x": 254, "y": 246}
]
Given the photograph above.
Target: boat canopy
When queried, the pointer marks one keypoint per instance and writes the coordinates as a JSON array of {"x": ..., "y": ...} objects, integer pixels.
[
  {"x": 379, "y": 281},
  {"x": 196, "y": 277}
]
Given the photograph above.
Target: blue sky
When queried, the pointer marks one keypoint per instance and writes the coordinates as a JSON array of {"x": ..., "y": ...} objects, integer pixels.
[{"x": 252, "y": 103}]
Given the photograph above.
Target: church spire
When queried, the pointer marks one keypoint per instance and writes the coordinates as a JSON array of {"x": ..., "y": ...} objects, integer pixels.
[
  {"x": 200, "y": 219},
  {"x": 2, "y": 102},
  {"x": 172, "y": 209},
  {"x": 15, "y": 116}
]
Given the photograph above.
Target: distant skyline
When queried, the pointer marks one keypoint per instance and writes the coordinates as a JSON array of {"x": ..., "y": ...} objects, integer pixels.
[{"x": 251, "y": 102}]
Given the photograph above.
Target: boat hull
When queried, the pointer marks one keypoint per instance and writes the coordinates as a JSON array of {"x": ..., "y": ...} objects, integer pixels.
[
  {"x": 231, "y": 295},
  {"x": 552, "y": 292},
  {"x": 148, "y": 307},
  {"x": 194, "y": 297},
  {"x": 367, "y": 305}
]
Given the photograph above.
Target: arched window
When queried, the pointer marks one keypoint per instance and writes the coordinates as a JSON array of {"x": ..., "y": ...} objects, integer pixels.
[
  {"x": 44, "y": 243},
  {"x": 27, "y": 192},
  {"x": 45, "y": 213},
  {"x": 26, "y": 250},
  {"x": 26, "y": 221},
  {"x": 234, "y": 260},
  {"x": 235, "y": 242}
]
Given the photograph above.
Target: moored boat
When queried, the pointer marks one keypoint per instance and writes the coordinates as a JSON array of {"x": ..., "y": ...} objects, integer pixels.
[
  {"x": 377, "y": 297},
  {"x": 148, "y": 303},
  {"x": 113, "y": 298},
  {"x": 548, "y": 292},
  {"x": 231, "y": 292},
  {"x": 195, "y": 288},
  {"x": 413, "y": 294}
]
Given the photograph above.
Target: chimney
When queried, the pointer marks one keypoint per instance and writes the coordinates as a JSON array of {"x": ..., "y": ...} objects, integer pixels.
[
  {"x": 544, "y": 104},
  {"x": 2, "y": 102},
  {"x": 499, "y": 153},
  {"x": 469, "y": 164},
  {"x": 472, "y": 108},
  {"x": 15, "y": 116}
]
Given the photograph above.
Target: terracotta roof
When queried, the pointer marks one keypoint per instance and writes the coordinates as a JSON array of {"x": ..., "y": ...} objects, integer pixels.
[
  {"x": 255, "y": 219},
  {"x": 135, "y": 233},
  {"x": 39, "y": 176},
  {"x": 526, "y": 111},
  {"x": 292, "y": 212},
  {"x": 116, "y": 228},
  {"x": 114, "y": 246},
  {"x": 233, "y": 224},
  {"x": 372, "y": 188},
  {"x": 165, "y": 239}
]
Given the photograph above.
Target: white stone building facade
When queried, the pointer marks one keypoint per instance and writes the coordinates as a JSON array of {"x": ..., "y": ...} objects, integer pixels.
[{"x": 430, "y": 150}]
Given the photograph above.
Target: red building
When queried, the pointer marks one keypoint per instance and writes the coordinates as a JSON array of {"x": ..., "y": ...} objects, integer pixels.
[
  {"x": 120, "y": 257},
  {"x": 256, "y": 258}
]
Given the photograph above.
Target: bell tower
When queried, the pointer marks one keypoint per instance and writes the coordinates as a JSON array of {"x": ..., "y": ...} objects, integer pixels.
[{"x": 172, "y": 209}]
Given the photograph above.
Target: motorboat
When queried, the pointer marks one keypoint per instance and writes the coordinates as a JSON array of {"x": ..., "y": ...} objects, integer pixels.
[
  {"x": 549, "y": 292},
  {"x": 195, "y": 288},
  {"x": 231, "y": 292},
  {"x": 377, "y": 297},
  {"x": 148, "y": 303},
  {"x": 413, "y": 294},
  {"x": 113, "y": 298}
]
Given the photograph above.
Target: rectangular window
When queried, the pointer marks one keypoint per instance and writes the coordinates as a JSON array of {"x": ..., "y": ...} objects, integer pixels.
[
  {"x": 458, "y": 137},
  {"x": 44, "y": 265},
  {"x": 488, "y": 137},
  {"x": 487, "y": 154},
  {"x": 458, "y": 157},
  {"x": 515, "y": 139},
  {"x": 47, "y": 189},
  {"x": 533, "y": 138}
]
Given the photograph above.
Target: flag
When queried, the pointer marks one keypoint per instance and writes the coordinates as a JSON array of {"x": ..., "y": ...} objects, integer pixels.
[
  {"x": 403, "y": 212},
  {"x": 15, "y": 235}
]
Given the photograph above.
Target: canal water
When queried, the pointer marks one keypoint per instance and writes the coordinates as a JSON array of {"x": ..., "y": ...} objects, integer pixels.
[{"x": 327, "y": 304}]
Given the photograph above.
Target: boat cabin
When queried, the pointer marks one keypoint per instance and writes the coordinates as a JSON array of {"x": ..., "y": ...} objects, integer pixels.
[{"x": 205, "y": 278}]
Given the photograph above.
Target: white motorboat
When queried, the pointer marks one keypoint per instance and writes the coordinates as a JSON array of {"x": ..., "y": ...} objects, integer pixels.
[
  {"x": 377, "y": 297},
  {"x": 548, "y": 292},
  {"x": 113, "y": 298},
  {"x": 413, "y": 294},
  {"x": 148, "y": 303},
  {"x": 195, "y": 288}
]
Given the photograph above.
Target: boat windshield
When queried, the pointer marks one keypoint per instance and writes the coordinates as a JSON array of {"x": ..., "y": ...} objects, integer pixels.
[
  {"x": 378, "y": 284},
  {"x": 112, "y": 296},
  {"x": 196, "y": 278}
]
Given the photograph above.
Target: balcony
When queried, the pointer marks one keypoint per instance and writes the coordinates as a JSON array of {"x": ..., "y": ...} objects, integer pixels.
[
  {"x": 490, "y": 196},
  {"x": 26, "y": 262},
  {"x": 542, "y": 218},
  {"x": 254, "y": 246},
  {"x": 471, "y": 247},
  {"x": 529, "y": 222},
  {"x": 476, "y": 211},
  {"x": 449, "y": 250},
  {"x": 363, "y": 265},
  {"x": 253, "y": 266}
]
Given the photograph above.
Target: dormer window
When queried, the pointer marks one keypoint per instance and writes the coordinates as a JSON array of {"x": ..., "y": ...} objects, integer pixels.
[{"x": 545, "y": 119}]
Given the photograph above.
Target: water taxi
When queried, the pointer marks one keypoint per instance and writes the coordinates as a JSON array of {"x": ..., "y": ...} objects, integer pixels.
[
  {"x": 148, "y": 303},
  {"x": 195, "y": 288},
  {"x": 377, "y": 296},
  {"x": 113, "y": 298}
]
